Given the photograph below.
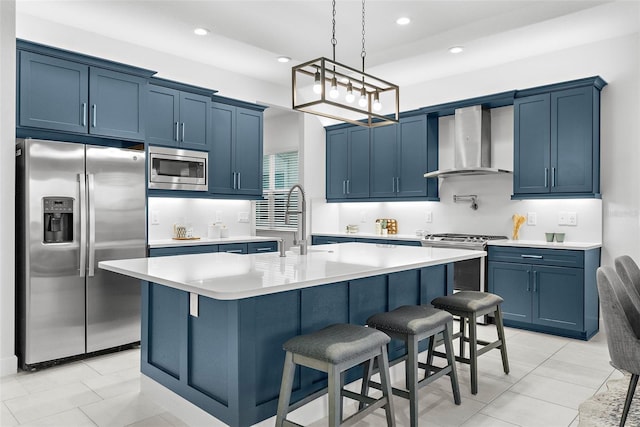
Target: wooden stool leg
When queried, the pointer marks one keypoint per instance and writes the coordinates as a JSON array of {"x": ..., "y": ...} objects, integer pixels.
[
  {"x": 451, "y": 360},
  {"x": 503, "y": 342},
  {"x": 335, "y": 397},
  {"x": 432, "y": 347},
  {"x": 385, "y": 381},
  {"x": 473, "y": 353},
  {"x": 412, "y": 378},
  {"x": 366, "y": 377},
  {"x": 462, "y": 336},
  {"x": 288, "y": 373}
]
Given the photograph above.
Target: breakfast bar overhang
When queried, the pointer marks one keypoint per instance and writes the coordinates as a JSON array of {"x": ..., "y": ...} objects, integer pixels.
[{"x": 213, "y": 325}]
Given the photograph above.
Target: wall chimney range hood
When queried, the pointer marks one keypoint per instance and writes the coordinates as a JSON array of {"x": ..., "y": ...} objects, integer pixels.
[{"x": 472, "y": 144}]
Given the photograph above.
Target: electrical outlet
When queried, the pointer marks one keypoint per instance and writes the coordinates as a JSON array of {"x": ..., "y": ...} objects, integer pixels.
[
  {"x": 243, "y": 216},
  {"x": 363, "y": 217},
  {"x": 532, "y": 218},
  {"x": 218, "y": 216},
  {"x": 155, "y": 217},
  {"x": 572, "y": 218},
  {"x": 562, "y": 218},
  {"x": 428, "y": 216}
]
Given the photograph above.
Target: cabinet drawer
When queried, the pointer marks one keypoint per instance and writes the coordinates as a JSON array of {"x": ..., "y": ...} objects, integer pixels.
[
  {"x": 183, "y": 250},
  {"x": 539, "y": 256},
  {"x": 260, "y": 247},
  {"x": 233, "y": 248}
]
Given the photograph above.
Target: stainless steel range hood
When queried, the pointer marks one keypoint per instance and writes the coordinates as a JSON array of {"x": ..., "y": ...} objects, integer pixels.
[{"x": 472, "y": 145}]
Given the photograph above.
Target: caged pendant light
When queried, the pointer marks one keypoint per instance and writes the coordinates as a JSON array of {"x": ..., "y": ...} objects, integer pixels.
[{"x": 327, "y": 88}]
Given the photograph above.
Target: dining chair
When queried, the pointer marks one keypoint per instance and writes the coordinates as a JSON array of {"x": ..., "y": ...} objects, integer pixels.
[
  {"x": 622, "y": 326},
  {"x": 629, "y": 272}
]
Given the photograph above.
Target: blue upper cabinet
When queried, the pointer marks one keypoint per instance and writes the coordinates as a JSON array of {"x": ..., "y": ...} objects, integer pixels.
[
  {"x": 236, "y": 148},
  {"x": 178, "y": 115},
  {"x": 116, "y": 104},
  {"x": 399, "y": 159},
  {"x": 348, "y": 163},
  {"x": 557, "y": 140},
  {"x": 67, "y": 92},
  {"x": 399, "y": 155},
  {"x": 53, "y": 93}
]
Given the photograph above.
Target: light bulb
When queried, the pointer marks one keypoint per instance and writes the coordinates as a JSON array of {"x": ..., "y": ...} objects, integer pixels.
[
  {"x": 317, "y": 87},
  {"x": 333, "y": 93},
  {"x": 363, "y": 98},
  {"x": 377, "y": 106},
  {"x": 349, "y": 97}
]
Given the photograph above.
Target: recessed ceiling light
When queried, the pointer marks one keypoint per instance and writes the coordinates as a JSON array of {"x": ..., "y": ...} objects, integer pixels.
[
  {"x": 403, "y": 20},
  {"x": 201, "y": 31},
  {"x": 456, "y": 49},
  {"x": 283, "y": 59}
]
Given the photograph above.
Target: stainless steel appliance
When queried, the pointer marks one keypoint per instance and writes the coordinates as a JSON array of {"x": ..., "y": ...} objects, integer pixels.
[
  {"x": 469, "y": 274},
  {"x": 76, "y": 205},
  {"x": 175, "y": 169}
]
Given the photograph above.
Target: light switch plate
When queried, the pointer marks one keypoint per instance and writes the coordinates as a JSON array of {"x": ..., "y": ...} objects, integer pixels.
[
  {"x": 428, "y": 217},
  {"x": 243, "y": 216},
  {"x": 155, "y": 217},
  {"x": 532, "y": 218},
  {"x": 562, "y": 218},
  {"x": 218, "y": 216}
]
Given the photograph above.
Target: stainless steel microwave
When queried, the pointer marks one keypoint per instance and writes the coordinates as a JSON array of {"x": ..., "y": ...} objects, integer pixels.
[{"x": 176, "y": 169}]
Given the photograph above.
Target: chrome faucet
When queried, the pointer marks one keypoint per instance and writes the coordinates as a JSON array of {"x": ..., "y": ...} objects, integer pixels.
[{"x": 302, "y": 243}]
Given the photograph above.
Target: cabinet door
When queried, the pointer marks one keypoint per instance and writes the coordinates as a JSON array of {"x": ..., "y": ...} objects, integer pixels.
[
  {"x": 234, "y": 248},
  {"x": 531, "y": 144},
  {"x": 412, "y": 157},
  {"x": 53, "y": 93},
  {"x": 163, "y": 116},
  {"x": 358, "y": 177},
  {"x": 513, "y": 283},
  {"x": 261, "y": 247},
  {"x": 384, "y": 171},
  {"x": 221, "y": 178},
  {"x": 193, "y": 121},
  {"x": 572, "y": 141},
  {"x": 337, "y": 164},
  {"x": 248, "y": 152},
  {"x": 116, "y": 104},
  {"x": 558, "y": 299}
]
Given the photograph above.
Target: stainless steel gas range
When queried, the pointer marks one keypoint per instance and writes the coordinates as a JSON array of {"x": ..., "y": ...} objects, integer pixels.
[{"x": 470, "y": 274}]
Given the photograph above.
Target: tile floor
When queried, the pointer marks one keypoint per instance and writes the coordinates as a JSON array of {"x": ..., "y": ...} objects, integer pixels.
[{"x": 550, "y": 376}]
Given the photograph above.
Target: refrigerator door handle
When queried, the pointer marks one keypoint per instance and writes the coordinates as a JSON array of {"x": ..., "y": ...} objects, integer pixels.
[
  {"x": 92, "y": 226},
  {"x": 82, "y": 198}
]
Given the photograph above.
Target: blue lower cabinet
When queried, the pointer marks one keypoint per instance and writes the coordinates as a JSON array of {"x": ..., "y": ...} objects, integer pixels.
[
  {"x": 238, "y": 248},
  {"x": 556, "y": 299},
  {"x": 234, "y": 248},
  {"x": 260, "y": 247},
  {"x": 228, "y": 360},
  {"x": 183, "y": 250}
]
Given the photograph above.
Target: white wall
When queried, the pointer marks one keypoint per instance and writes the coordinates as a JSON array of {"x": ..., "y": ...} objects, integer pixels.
[{"x": 8, "y": 361}]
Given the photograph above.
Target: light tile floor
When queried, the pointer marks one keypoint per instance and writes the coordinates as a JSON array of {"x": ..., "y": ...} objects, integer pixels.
[{"x": 550, "y": 376}]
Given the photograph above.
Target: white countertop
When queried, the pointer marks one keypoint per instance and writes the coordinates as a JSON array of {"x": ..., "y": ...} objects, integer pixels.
[
  {"x": 166, "y": 243},
  {"x": 227, "y": 276},
  {"x": 411, "y": 237},
  {"x": 580, "y": 246}
]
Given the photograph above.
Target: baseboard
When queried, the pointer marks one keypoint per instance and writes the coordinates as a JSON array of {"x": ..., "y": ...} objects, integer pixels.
[{"x": 8, "y": 366}]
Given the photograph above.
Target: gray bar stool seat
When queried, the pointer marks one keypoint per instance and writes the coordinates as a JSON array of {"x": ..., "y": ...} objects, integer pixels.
[
  {"x": 413, "y": 324},
  {"x": 469, "y": 305},
  {"x": 334, "y": 350}
]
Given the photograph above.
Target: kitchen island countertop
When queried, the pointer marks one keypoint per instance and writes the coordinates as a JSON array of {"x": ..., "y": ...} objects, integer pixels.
[{"x": 225, "y": 276}]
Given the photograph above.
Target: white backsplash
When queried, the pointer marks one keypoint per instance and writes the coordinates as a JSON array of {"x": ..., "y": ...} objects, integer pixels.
[
  {"x": 199, "y": 213},
  {"x": 493, "y": 216}
]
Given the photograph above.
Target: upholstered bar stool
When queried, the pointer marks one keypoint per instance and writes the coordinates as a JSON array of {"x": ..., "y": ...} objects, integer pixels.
[
  {"x": 468, "y": 305},
  {"x": 413, "y": 324},
  {"x": 333, "y": 350}
]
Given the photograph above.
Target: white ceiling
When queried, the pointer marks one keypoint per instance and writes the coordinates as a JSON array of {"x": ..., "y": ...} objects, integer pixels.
[{"x": 247, "y": 36}]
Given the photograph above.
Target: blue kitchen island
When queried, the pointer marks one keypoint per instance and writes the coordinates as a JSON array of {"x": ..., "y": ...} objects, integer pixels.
[{"x": 213, "y": 324}]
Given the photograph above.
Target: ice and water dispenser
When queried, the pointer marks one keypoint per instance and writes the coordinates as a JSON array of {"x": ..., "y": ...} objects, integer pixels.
[{"x": 58, "y": 219}]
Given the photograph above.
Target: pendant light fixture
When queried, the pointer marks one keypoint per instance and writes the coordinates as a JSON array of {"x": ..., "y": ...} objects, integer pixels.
[{"x": 328, "y": 88}]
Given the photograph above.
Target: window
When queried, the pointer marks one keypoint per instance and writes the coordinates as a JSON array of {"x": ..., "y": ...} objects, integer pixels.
[{"x": 279, "y": 173}]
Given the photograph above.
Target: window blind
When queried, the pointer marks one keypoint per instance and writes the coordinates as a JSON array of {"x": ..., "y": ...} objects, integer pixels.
[{"x": 279, "y": 173}]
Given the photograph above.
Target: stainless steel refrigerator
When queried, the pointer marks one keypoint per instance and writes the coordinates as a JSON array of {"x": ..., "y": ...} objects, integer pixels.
[{"x": 76, "y": 205}]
